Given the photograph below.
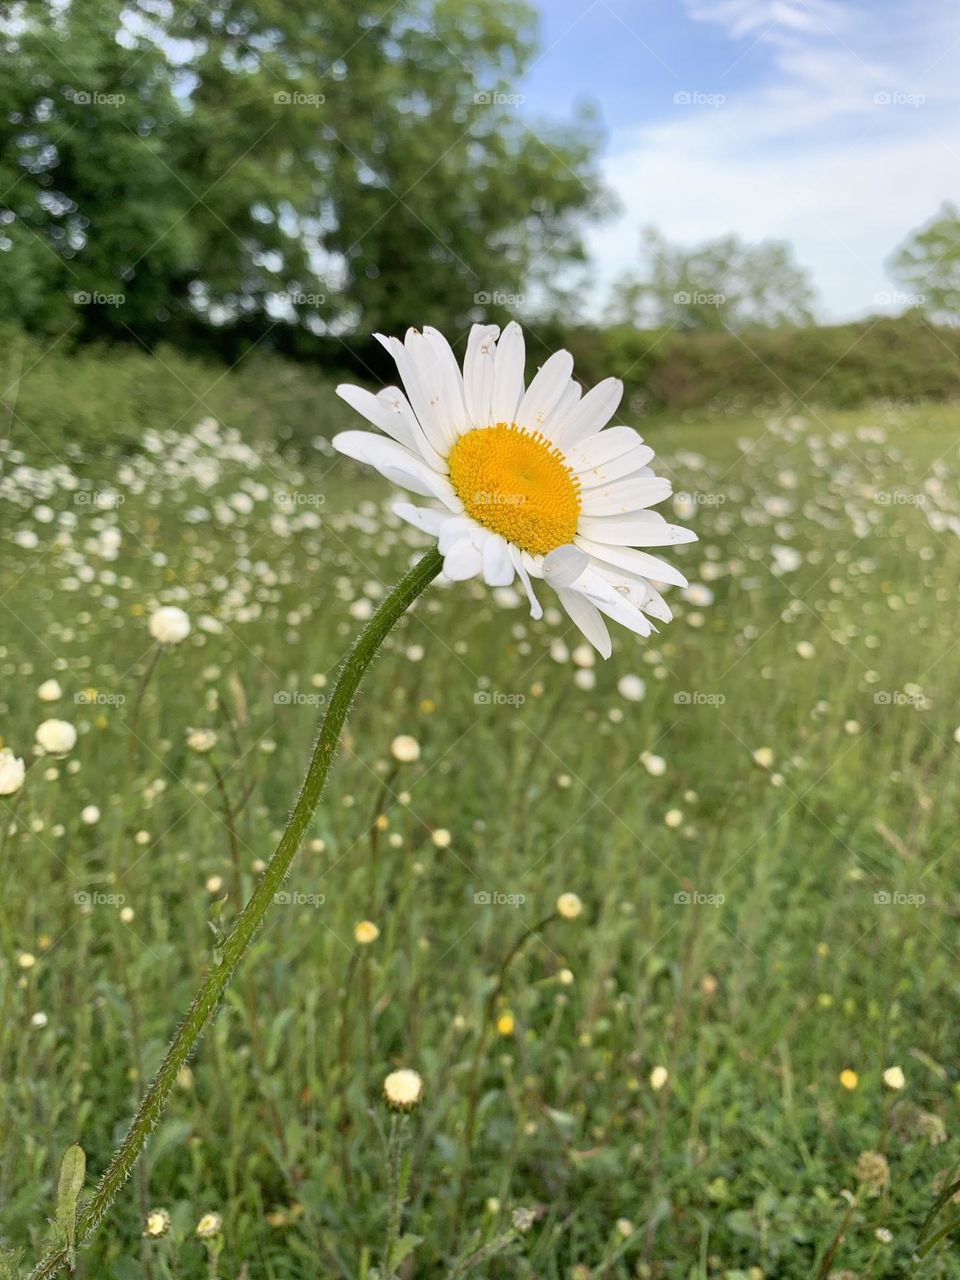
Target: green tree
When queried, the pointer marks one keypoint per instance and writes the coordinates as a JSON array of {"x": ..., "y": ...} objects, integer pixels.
[
  {"x": 927, "y": 264},
  {"x": 248, "y": 167},
  {"x": 721, "y": 284}
]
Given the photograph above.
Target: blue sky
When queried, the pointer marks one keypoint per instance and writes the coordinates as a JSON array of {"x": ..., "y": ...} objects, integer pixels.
[{"x": 832, "y": 124}]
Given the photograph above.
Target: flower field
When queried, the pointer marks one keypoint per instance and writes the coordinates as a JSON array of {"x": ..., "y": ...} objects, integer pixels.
[{"x": 669, "y": 939}]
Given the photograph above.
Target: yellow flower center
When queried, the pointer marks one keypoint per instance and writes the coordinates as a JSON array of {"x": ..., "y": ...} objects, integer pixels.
[{"x": 518, "y": 484}]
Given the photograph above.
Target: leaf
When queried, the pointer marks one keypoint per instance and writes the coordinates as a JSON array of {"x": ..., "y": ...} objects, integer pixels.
[
  {"x": 403, "y": 1249},
  {"x": 73, "y": 1168}
]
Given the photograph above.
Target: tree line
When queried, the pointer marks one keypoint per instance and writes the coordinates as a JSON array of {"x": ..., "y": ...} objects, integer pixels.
[{"x": 211, "y": 174}]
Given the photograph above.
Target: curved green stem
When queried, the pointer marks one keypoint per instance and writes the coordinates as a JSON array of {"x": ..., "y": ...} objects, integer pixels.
[{"x": 214, "y": 984}]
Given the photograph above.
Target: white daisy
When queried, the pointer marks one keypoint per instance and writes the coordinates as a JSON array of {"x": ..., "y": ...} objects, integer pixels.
[{"x": 524, "y": 482}]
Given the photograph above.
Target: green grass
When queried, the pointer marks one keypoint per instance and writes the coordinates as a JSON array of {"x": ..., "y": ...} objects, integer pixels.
[{"x": 740, "y": 1164}]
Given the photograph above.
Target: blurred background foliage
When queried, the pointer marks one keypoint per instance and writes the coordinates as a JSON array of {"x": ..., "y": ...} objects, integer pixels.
[
  {"x": 293, "y": 177},
  {"x": 227, "y": 166}
]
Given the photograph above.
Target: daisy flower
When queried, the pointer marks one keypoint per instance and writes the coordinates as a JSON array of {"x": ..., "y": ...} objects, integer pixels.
[{"x": 524, "y": 482}]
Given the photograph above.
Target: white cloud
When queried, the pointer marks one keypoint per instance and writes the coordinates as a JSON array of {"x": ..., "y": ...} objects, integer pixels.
[
  {"x": 747, "y": 17},
  {"x": 850, "y": 143}
]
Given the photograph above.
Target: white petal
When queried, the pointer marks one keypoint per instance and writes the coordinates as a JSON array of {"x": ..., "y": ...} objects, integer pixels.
[
  {"x": 380, "y": 414},
  {"x": 586, "y": 616},
  {"x": 638, "y": 591},
  {"x": 626, "y": 614},
  {"x": 656, "y": 606},
  {"x": 397, "y": 464},
  {"x": 602, "y": 447},
  {"x": 478, "y": 372},
  {"x": 615, "y": 604},
  {"x": 564, "y": 565},
  {"x": 639, "y": 529},
  {"x": 589, "y": 415},
  {"x": 598, "y": 460},
  {"x": 452, "y": 532},
  {"x": 507, "y": 375},
  {"x": 633, "y": 561},
  {"x": 624, "y": 497},
  {"x": 545, "y": 391},
  {"x": 567, "y": 401},
  {"x": 420, "y": 383},
  {"x": 498, "y": 568},
  {"x": 452, "y": 405},
  {"x": 397, "y": 404},
  {"x": 536, "y": 610},
  {"x": 427, "y": 519},
  {"x": 462, "y": 561},
  {"x": 635, "y": 590},
  {"x": 433, "y": 374}
]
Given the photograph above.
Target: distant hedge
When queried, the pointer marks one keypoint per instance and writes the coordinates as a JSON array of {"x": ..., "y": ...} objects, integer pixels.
[
  {"x": 837, "y": 366},
  {"x": 93, "y": 395},
  {"x": 96, "y": 396}
]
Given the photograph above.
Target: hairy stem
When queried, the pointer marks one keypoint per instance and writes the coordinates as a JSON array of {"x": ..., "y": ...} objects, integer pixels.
[{"x": 241, "y": 935}]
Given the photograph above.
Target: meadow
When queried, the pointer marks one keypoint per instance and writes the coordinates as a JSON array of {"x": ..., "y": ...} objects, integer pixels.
[{"x": 735, "y": 1061}]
